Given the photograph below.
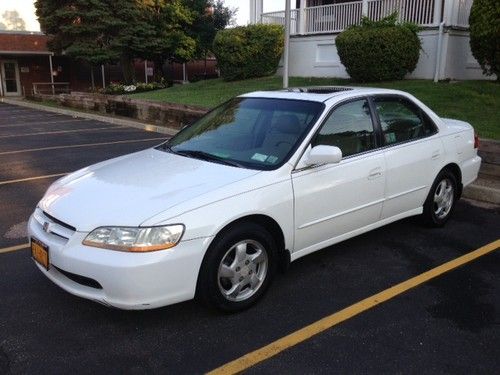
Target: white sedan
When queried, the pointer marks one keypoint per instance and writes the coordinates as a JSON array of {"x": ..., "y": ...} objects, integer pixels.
[{"x": 260, "y": 181}]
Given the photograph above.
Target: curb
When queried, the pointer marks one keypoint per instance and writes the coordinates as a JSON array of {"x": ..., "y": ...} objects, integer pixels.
[
  {"x": 482, "y": 193},
  {"x": 92, "y": 116}
]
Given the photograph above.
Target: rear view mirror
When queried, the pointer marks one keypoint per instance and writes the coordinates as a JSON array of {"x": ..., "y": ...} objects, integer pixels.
[{"x": 323, "y": 155}]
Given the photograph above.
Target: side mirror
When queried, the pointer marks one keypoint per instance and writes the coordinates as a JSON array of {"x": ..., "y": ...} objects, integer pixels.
[{"x": 323, "y": 155}]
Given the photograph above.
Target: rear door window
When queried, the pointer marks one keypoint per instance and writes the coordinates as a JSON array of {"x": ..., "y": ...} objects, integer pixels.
[{"x": 402, "y": 120}]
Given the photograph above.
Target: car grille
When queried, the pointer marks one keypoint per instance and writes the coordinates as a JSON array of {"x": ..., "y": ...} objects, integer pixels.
[{"x": 53, "y": 226}]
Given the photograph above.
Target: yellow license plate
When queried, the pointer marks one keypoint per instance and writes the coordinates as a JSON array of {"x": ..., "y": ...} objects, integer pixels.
[{"x": 40, "y": 252}]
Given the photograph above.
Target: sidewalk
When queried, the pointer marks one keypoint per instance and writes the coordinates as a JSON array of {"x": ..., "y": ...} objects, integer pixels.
[{"x": 93, "y": 116}]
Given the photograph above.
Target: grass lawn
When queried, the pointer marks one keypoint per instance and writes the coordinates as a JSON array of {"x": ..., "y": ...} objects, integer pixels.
[{"x": 477, "y": 102}]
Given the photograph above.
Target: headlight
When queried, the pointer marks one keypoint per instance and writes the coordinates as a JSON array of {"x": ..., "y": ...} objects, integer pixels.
[{"x": 135, "y": 239}]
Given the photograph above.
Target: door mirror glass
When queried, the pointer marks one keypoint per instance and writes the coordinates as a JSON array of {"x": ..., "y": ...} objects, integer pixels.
[{"x": 323, "y": 155}]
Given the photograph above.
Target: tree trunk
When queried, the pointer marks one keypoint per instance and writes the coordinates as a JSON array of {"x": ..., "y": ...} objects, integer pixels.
[
  {"x": 128, "y": 70},
  {"x": 158, "y": 69}
]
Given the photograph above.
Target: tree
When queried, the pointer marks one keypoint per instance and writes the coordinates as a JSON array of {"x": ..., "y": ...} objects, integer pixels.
[
  {"x": 484, "y": 24},
  {"x": 12, "y": 21},
  {"x": 212, "y": 17},
  {"x": 83, "y": 29},
  {"x": 167, "y": 34}
]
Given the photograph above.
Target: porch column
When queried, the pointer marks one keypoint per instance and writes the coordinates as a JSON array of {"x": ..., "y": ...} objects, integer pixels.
[
  {"x": 302, "y": 17},
  {"x": 256, "y": 7},
  {"x": 450, "y": 13},
  {"x": 364, "y": 8},
  {"x": 438, "y": 6},
  {"x": 51, "y": 74}
]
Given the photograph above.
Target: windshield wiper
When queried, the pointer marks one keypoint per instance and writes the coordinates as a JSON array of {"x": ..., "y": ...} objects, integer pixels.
[{"x": 206, "y": 156}]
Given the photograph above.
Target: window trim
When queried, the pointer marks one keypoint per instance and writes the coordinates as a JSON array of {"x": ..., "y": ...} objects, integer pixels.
[{"x": 383, "y": 143}]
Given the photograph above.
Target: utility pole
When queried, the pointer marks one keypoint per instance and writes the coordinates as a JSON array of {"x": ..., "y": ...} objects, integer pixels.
[{"x": 286, "y": 52}]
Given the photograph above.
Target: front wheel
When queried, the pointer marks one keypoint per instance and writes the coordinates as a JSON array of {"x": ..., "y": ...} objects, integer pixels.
[
  {"x": 441, "y": 200},
  {"x": 238, "y": 268}
]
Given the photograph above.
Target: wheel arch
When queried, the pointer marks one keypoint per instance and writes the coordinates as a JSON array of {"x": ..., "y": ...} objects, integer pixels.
[
  {"x": 456, "y": 171},
  {"x": 270, "y": 225}
]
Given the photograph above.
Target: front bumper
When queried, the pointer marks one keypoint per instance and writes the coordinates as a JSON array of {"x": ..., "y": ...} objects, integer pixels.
[{"x": 133, "y": 281}]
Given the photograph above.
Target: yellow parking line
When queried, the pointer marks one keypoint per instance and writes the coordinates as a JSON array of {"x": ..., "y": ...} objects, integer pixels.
[
  {"x": 14, "y": 248},
  {"x": 7, "y": 182},
  {"x": 159, "y": 139},
  {"x": 62, "y": 131},
  {"x": 328, "y": 322}
]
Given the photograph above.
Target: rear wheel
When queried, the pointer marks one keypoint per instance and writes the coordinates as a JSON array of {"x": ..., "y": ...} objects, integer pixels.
[
  {"x": 238, "y": 268},
  {"x": 441, "y": 199}
]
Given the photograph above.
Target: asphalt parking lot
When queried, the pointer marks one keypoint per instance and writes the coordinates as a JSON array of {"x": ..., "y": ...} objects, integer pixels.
[{"x": 449, "y": 324}]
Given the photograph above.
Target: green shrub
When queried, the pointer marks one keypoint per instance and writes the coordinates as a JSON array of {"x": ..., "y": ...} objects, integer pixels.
[
  {"x": 249, "y": 51},
  {"x": 484, "y": 24},
  {"x": 379, "y": 50}
]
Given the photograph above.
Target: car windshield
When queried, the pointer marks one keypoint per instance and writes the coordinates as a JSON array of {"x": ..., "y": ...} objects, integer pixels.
[{"x": 255, "y": 133}]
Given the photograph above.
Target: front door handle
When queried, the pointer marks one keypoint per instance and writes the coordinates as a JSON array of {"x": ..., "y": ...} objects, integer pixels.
[{"x": 375, "y": 173}]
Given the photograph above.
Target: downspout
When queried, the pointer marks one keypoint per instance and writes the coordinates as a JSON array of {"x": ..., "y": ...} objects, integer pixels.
[{"x": 439, "y": 52}]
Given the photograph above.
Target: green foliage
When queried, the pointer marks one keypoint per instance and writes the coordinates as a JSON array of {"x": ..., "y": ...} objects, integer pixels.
[
  {"x": 210, "y": 19},
  {"x": 379, "y": 50},
  {"x": 484, "y": 24},
  {"x": 249, "y": 51},
  {"x": 107, "y": 31}
]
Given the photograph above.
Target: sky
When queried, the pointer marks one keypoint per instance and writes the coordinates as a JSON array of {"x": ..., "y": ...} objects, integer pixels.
[{"x": 26, "y": 10}]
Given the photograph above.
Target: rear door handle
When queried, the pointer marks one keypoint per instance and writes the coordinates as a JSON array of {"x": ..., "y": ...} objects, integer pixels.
[
  {"x": 435, "y": 155},
  {"x": 375, "y": 173}
]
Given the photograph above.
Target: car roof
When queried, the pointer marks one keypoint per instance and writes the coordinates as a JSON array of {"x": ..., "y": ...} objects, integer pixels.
[{"x": 321, "y": 93}]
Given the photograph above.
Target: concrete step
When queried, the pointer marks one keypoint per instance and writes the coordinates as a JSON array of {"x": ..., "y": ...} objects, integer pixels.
[
  {"x": 489, "y": 150},
  {"x": 484, "y": 189},
  {"x": 491, "y": 171}
]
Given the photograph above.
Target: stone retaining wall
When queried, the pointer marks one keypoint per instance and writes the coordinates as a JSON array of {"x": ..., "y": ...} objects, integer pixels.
[{"x": 162, "y": 114}]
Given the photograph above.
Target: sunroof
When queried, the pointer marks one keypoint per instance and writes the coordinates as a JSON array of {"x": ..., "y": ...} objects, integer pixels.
[{"x": 320, "y": 89}]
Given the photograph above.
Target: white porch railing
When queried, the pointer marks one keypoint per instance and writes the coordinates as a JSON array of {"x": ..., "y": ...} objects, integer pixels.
[
  {"x": 337, "y": 17},
  {"x": 332, "y": 18},
  {"x": 420, "y": 12}
]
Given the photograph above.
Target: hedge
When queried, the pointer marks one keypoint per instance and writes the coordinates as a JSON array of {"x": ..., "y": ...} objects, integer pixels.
[
  {"x": 249, "y": 51},
  {"x": 379, "y": 50},
  {"x": 484, "y": 24}
]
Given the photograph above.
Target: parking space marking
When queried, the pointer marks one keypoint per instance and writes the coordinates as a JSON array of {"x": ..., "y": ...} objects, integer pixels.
[
  {"x": 63, "y": 131},
  {"x": 14, "y": 248},
  {"x": 7, "y": 182},
  {"x": 19, "y": 124},
  {"x": 251, "y": 359},
  {"x": 82, "y": 145}
]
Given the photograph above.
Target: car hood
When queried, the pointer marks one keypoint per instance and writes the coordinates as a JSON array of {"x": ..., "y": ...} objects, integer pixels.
[{"x": 130, "y": 189}]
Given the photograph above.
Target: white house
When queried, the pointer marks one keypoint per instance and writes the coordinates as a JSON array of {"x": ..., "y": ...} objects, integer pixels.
[{"x": 316, "y": 23}]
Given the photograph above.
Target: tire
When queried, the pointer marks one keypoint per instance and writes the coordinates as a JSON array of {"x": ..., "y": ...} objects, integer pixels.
[
  {"x": 238, "y": 268},
  {"x": 441, "y": 200}
]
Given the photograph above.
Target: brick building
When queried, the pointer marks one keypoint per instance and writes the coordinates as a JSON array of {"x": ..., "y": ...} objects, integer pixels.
[{"x": 27, "y": 64}]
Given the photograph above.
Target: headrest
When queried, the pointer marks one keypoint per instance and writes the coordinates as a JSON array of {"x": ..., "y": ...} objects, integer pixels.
[{"x": 288, "y": 124}]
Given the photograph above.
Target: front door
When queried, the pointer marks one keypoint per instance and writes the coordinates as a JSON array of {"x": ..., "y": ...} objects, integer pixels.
[
  {"x": 11, "y": 85},
  {"x": 333, "y": 201}
]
